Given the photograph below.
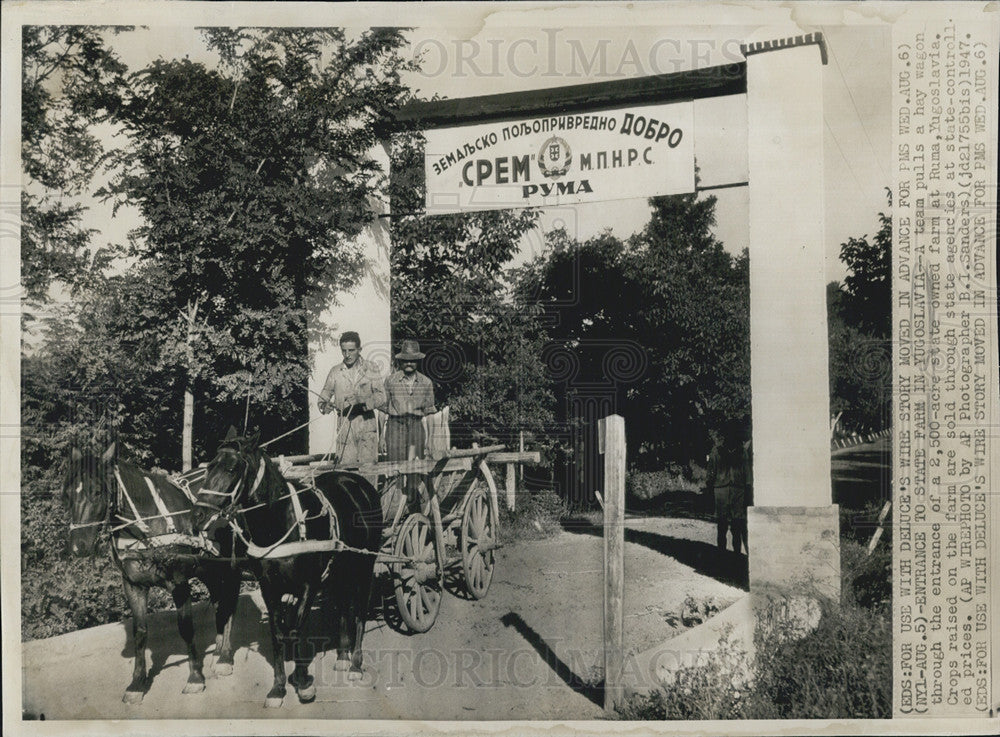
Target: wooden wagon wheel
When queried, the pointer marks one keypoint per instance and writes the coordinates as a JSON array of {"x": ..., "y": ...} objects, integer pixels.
[
  {"x": 477, "y": 539},
  {"x": 418, "y": 580}
]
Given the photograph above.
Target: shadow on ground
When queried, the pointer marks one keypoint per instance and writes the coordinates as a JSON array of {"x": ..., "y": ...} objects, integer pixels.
[
  {"x": 673, "y": 504},
  {"x": 724, "y": 566},
  {"x": 247, "y": 631},
  {"x": 593, "y": 691},
  {"x": 250, "y": 630}
]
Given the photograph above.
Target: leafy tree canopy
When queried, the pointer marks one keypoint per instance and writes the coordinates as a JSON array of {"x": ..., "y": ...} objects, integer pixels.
[
  {"x": 860, "y": 325},
  {"x": 252, "y": 179},
  {"x": 868, "y": 285},
  {"x": 71, "y": 82},
  {"x": 661, "y": 321}
]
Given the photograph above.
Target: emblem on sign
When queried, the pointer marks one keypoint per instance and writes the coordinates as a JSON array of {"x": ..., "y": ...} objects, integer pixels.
[{"x": 554, "y": 157}]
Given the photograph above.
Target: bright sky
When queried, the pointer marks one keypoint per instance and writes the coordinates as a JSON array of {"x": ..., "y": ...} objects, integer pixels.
[{"x": 534, "y": 48}]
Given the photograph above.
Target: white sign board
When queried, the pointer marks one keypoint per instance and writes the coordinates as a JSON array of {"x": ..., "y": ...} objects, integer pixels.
[{"x": 561, "y": 159}]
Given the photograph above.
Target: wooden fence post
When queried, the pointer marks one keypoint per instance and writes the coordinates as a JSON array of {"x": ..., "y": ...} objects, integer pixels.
[
  {"x": 612, "y": 430},
  {"x": 511, "y": 478},
  {"x": 520, "y": 467}
]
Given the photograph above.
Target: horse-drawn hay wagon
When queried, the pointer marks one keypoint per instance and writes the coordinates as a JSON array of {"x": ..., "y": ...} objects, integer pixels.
[{"x": 442, "y": 519}]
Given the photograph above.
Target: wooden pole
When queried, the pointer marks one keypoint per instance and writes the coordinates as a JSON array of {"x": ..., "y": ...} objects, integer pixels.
[
  {"x": 520, "y": 449},
  {"x": 510, "y": 486},
  {"x": 612, "y": 429}
]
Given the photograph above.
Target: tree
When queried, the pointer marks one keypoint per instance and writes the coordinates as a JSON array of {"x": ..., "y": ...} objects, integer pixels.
[
  {"x": 251, "y": 180},
  {"x": 697, "y": 324},
  {"x": 449, "y": 291},
  {"x": 99, "y": 375},
  {"x": 868, "y": 284},
  {"x": 860, "y": 370},
  {"x": 659, "y": 324},
  {"x": 70, "y": 83},
  {"x": 859, "y": 315}
]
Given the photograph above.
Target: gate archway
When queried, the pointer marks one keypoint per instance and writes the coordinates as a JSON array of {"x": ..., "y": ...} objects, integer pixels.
[{"x": 793, "y": 527}]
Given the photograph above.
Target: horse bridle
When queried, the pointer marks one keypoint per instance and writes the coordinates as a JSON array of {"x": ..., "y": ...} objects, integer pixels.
[
  {"x": 227, "y": 511},
  {"x": 99, "y": 523}
]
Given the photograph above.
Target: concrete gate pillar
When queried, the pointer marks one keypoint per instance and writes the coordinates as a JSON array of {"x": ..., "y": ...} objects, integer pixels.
[
  {"x": 365, "y": 310},
  {"x": 793, "y": 526}
]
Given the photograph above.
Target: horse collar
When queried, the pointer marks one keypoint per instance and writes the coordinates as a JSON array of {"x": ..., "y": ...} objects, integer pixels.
[
  {"x": 260, "y": 476},
  {"x": 123, "y": 491},
  {"x": 300, "y": 515}
]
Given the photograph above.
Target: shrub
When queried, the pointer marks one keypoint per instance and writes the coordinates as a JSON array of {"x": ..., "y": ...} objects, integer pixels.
[
  {"x": 841, "y": 669},
  {"x": 536, "y": 515},
  {"x": 867, "y": 579},
  {"x": 68, "y": 595},
  {"x": 647, "y": 485},
  {"x": 710, "y": 690},
  {"x": 858, "y": 525}
]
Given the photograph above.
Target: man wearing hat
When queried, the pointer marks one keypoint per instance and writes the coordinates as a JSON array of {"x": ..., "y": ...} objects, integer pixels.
[
  {"x": 410, "y": 397},
  {"x": 355, "y": 390}
]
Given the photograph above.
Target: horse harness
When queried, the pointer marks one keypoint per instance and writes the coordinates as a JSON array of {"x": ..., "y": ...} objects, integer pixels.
[
  {"x": 136, "y": 546},
  {"x": 283, "y": 548}
]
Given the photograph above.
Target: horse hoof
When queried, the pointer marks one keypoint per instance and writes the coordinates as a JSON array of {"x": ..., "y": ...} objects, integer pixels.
[
  {"x": 194, "y": 687},
  {"x": 133, "y": 698},
  {"x": 223, "y": 669},
  {"x": 273, "y": 702},
  {"x": 362, "y": 677},
  {"x": 307, "y": 695}
]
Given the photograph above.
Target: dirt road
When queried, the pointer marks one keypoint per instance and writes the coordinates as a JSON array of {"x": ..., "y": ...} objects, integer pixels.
[{"x": 530, "y": 650}]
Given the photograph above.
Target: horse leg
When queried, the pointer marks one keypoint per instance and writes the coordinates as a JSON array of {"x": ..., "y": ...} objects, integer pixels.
[
  {"x": 361, "y": 602},
  {"x": 272, "y": 597},
  {"x": 137, "y": 597},
  {"x": 343, "y": 637},
  {"x": 185, "y": 625},
  {"x": 301, "y": 681},
  {"x": 339, "y": 572},
  {"x": 225, "y": 592}
]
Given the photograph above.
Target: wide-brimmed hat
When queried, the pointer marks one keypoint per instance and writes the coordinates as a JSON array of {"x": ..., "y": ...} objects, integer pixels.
[{"x": 409, "y": 351}]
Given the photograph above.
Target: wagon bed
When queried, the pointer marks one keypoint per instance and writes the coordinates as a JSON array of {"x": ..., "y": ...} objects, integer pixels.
[{"x": 431, "y": 508}]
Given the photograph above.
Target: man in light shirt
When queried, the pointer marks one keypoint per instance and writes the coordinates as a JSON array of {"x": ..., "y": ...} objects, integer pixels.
[{"x": 354, "y": 390}]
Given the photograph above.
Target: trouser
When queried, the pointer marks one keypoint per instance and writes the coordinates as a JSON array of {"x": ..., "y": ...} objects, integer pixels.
[
  {"x": 357, "y": 439},
  {"x": 402, "y": 432},
  {"x": 727, "y": 519},
  {"x": 739, "y": 529}
]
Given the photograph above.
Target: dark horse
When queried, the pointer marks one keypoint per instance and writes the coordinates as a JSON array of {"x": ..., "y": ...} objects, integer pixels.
[
  {"x": 154, "y": 542},
  {"x": 291, "y": 535}
]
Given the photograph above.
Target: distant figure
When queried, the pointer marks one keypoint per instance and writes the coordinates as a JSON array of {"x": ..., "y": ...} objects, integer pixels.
[
  {"x": 730, "y": 478},
  {"x": 354, "y": 390}
]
